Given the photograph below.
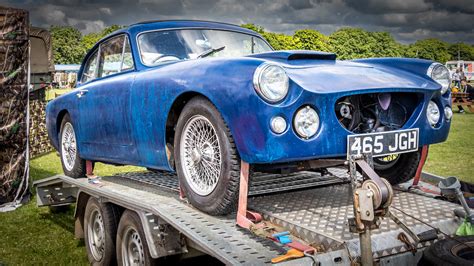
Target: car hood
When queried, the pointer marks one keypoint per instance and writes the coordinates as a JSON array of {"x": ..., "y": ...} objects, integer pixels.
[{"x": 319, "y": 72}]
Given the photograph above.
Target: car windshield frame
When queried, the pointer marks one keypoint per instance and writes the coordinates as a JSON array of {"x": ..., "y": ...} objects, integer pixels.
[{"x": 139, "y": 45}]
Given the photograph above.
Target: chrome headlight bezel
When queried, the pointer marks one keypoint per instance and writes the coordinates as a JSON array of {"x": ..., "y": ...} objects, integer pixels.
[
  {"x": 262, "y": 88},
  {"x": 445, "y": 82},
  {"x": 297, "y": 126},
  {"x": 433, "y": 117}
]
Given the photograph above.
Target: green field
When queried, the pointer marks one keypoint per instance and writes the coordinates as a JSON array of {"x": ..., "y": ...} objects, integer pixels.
[
  {"x": 35, "y": 236},
  {"x": 455, "y": 157}
]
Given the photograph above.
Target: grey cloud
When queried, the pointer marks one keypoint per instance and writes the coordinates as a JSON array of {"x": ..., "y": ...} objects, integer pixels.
[{"x": 407, "y": 20}]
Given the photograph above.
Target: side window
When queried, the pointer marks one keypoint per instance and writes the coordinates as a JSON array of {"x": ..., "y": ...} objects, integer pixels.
[
  {"x": 110, "y": 60},
  {"x": 90, "y": 68},
  {"x": 127, "y": 62}
]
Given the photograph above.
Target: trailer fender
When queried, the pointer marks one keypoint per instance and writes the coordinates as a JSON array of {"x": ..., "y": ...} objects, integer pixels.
[
  {"x": 162, "y": 239},
  {"x": 81, "y": 203}
]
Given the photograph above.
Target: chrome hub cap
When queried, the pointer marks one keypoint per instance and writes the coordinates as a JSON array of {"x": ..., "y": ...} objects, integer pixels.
[
  {"x": 132, "y": 248},
  {"x": 68, "y": 146},
  {"x": 200, "y": 155},
  {"x": 96, "y": 235}
]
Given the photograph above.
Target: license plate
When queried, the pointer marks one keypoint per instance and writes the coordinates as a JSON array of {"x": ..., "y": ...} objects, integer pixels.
[{"x": 383, "y": 143}]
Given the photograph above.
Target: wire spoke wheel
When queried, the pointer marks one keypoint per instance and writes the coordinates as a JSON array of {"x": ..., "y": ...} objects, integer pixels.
[
  {"x": 200, "y": 154},
  {"x": 96, "y": 235},
  {"x": 132, "y": 248},
  {"x": 68, "y": 146}
]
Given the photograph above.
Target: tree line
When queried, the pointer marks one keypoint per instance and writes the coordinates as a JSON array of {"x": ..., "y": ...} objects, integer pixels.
[{"x": 70, "y": 46}]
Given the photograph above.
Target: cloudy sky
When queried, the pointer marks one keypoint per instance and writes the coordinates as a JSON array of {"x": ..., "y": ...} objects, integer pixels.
[{"x": 407, "y": 20}]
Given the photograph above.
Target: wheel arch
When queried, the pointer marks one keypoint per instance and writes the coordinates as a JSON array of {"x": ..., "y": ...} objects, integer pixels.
[
  {"x": 175, "y": 111},
  {"x": 59, "y": 120},
  {"x": 177, "y": 107}
]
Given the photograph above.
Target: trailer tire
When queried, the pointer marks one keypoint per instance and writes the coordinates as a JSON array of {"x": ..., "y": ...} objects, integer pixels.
[
  {"x": 218, "y": 196},
  {"x": 130, "y": 236},
  {"x": 401, "y": 170},
  {"x": 450, "y": 252},
  {"x": 100, "y": 228},
  {"x": 76, "y": 167}
]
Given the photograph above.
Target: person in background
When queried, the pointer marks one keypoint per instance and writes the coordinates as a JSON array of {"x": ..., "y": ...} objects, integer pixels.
[
  {"x": 461, "y": 74},
  {"x": 467, "y": 88},
  {"x": 456, "y": 78}
]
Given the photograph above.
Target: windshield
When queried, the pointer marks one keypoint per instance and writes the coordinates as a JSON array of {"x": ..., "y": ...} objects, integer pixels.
[{"x": 175, "y": 45}]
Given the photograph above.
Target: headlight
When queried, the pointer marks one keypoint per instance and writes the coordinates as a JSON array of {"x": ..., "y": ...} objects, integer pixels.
[
  {"x": 306, "y": 122},
  {"x": 440, "y": 74},
  {"x": 278, "y": 124},
  {"x": 432, "y": 113},
  {"x": 271, "y": 82},
  {"x": 448, "y": 113}
]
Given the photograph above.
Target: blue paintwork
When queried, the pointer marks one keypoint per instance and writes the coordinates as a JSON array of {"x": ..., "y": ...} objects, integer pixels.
[{"x": 122, "y": 118}]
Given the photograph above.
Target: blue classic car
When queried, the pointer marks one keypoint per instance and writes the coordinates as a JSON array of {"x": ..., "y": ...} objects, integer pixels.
[{"x": 198, "y": 97}]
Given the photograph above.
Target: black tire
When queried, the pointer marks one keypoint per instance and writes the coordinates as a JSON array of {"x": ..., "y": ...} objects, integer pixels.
[
  {"x": 449, "y": 252},
  {"x": 79, "y": 167},
  {"x": 131, "y": 221},
  {"x": 402, "y": 170},
  {"x": 223, "y": 199},
  {"x": 110, "y": 216}
]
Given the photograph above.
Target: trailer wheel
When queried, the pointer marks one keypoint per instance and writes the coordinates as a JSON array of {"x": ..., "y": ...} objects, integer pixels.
[
  {"x": 456, "y": 251},
  {"x": 398, "y": 168},
  {"x": 132, "y": 248},
  {"x": 100, "y": 227},
  {"x": 206, "y": 158},
  {"x": 72, "y": 164}
]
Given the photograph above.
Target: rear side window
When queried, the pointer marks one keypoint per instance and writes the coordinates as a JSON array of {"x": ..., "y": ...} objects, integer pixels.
[
  {"x": 114, "y": 55},
  {"x": 127, "y": 62},
  {"x": 90, "y": 70},
  {"x": 110, "y": 61}
]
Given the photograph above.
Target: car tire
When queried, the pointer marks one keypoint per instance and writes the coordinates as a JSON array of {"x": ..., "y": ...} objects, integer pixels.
[
  {"x": 401, "y": 170},
  {"x": 447, "y": 252},
  {"x": 219, "y": 196},
  {"x": 100, "y": 229},
  {"x": 71, "y": 162},
  {"x": 131, "y": 237}
]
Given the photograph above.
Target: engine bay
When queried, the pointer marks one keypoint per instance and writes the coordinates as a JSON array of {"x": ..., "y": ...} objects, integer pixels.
[{"x": 376, "y": 112}]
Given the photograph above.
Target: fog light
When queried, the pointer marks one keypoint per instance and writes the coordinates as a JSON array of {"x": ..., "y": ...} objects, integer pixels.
[
  {"x": 448, "y": 112},
  {"x": 306, "y": 122},
  {"x": 432, "y": 113},
  {"x": 278, "y": 124}
]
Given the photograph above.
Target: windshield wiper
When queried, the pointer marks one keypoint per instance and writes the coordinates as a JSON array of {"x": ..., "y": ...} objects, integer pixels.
[{"x": 211, "y": 51}]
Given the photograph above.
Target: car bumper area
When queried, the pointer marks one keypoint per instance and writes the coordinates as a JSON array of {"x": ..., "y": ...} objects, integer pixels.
[{"x": 257, "y": 143}]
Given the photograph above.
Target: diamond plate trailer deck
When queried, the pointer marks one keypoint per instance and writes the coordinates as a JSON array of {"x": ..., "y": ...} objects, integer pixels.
[{"x": 312, "y": 207}]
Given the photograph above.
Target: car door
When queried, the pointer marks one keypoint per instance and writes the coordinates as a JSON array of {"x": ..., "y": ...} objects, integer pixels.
[{"x": 104, "y": 104}]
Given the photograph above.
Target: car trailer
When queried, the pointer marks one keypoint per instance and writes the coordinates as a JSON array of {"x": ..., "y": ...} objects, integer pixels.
[{"x": 314, "y": 211}]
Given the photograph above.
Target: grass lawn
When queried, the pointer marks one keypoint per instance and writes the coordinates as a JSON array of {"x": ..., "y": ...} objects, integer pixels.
[
  {"x": 455, "y": 157},
  {"x": 35, "y": 236}
]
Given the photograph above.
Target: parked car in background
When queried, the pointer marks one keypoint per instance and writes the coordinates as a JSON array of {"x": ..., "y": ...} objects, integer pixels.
[{"x": 198, "y": 97}]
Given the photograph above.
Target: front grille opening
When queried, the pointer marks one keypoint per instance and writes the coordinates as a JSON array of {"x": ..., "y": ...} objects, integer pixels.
[{"x": 376, "y": 112}]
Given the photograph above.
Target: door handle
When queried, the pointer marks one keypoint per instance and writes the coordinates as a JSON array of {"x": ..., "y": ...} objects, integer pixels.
[{"x": 81, "y": 93}]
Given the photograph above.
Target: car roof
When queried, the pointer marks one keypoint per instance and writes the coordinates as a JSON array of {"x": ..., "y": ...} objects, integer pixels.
[{"x": 181, "y": 24}]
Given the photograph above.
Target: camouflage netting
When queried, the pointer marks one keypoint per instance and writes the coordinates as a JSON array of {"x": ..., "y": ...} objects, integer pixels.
[
  {"x": 13, "y": 104},
  {"x": 39, "y": 141}
]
